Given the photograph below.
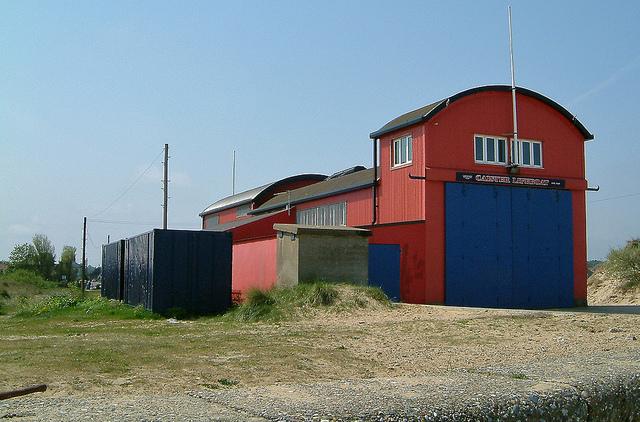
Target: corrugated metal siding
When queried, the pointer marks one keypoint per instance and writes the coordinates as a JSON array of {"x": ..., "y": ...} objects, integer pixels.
[
  {"x": 358, "y": 206},
  {"x": 324, "y": 215},
  {"x": 254, "y": 265},
  {"x": 138, "y": 270},
  {"x": 190, "y": 270},
  {"x": 112, "y": 285},
  {"x": 400, "y": 198}
]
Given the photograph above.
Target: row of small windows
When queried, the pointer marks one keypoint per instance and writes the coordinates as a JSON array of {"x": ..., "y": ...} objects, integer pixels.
[
  {"x": 487, "y": 150},
  {"x": 492, "y": 150},
  {"x": 325, "y": 215}
]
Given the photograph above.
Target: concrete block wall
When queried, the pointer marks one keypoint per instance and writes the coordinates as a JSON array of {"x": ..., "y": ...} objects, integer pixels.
[{"x": 312, "y": 253}]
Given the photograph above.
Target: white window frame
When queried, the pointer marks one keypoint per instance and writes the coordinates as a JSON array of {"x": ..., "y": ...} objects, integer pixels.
[
  {"x": 404, "y": 145},
  {"x": 517, "y": 155},
  {"x": 485, "y": 160}
]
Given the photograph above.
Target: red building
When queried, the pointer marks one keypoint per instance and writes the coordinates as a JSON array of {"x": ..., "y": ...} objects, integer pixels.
[{"x": 462, "y": 215}]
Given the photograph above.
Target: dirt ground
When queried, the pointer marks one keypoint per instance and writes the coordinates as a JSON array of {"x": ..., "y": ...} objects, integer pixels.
[{"x": 76, "y": 357}]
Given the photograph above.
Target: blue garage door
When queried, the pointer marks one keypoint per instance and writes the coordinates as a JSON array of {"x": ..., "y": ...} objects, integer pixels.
[
  {"x": 384, "y": 269},
  {"x": 508, "y": 247}
]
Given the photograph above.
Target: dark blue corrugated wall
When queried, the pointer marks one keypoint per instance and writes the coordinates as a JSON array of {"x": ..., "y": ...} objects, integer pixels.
[
  {"x": 112, "y": 285},
  {"x": 179, "y": 269},
  {"x": 508, "y": 247}
]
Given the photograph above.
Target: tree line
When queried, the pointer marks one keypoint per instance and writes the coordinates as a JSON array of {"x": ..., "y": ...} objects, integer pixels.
[{"x": 39, "y": 256}]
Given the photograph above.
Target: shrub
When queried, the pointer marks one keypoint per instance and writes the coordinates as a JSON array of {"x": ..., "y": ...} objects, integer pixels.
[
  {"x": 257, "y": 297},
  {"x": 27, "y": 277},
  {"x": 258, "y": 304},
  {"x": 625, "y": 264}
]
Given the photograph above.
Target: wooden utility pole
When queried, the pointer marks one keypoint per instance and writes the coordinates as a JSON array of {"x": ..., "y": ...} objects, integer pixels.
[
  {"x": 84, "y": 249},
  {"x": 165, "y": 182}
]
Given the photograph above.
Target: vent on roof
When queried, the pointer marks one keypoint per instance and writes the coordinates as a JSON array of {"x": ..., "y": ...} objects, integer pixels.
[{"x": 347, "y": 171}]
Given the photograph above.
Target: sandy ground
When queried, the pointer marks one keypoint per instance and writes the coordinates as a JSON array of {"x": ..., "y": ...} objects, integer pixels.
[
  {"x": 603, "y": 288},
  {"x": 378, "y": 359},
  {"x": 403, "y": 341}
]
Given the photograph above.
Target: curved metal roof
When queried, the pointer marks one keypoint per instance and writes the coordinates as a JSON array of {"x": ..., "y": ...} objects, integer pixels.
[
  {"x": 330, "y": 187},
  {"x": 255, "y": 194},
  {"x": 425, "y": 113}
]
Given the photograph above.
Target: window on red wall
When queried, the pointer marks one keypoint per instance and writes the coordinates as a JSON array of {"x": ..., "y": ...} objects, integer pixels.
[
  {"x": 402, "y": 151},
  {"x": 527, "y": 153},
  {"x": 490, "y": 150},
  {"x": 211, "y": 220}
]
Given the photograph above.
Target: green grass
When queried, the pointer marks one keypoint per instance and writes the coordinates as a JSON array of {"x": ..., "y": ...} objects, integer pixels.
[
  {"x": 285, "y": 303},
  {"x": 73, "y": 305},
  {"x": 24, "y": 294},
  {"x": 19, "y": 286}
]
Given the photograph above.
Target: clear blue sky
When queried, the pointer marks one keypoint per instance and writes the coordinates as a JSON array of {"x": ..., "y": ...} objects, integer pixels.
[{"x": 90, "y": 91}]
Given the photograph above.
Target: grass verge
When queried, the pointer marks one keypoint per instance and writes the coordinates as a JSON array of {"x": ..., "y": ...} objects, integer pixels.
[
  {"x": 284, "y": 303},
  {"x": 73, "y": 305}
]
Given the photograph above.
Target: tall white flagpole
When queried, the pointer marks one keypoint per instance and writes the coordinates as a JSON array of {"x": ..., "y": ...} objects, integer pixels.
[{"x": 516, "y": 153}]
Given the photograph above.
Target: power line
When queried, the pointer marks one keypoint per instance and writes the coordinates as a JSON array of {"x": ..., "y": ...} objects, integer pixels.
[
  {"x": 137, "y": 223},
  {"x": 131, "y": 185},
  {"x": 615, "y": 197},
  {"x": 91, "y": 240}
]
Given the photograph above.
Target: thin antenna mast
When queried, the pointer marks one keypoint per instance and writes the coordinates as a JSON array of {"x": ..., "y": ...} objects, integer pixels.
[
  {"x": 165, "y": 184},
  {"x": 233, "y": 174},
  {"x": 514, "y": 154}
]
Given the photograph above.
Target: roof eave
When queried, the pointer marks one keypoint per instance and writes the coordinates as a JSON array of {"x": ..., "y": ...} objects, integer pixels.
[
  {"x": 583, "y": 130},
  {"x": 226, "y": 207},
  {"x": 311, "y": 198}
]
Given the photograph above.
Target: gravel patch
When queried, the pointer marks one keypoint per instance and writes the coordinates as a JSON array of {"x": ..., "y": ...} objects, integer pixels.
[{"x": 601, "y": 388}]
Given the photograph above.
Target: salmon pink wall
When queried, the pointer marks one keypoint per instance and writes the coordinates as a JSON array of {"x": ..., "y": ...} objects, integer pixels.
[{"x": 254, "y": 265}]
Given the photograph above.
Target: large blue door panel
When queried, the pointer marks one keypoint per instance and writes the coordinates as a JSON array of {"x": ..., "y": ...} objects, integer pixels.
[
  {"x": 543, "y": 248},
  {"x": 478, "y": 265},
  {"x": 508, "y": 247},
  {"x": 384, "y": 269}
]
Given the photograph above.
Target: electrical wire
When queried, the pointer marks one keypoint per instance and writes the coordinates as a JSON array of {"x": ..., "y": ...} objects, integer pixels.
[
  {"x": 137, "y": 223},
  {"x": 130, "y": 186},
  {"x": 615, "y": 197}
]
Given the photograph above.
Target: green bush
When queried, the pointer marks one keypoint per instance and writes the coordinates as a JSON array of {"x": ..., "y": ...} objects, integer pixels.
[
  {"x": 27, "y": 277},
  {"x": 625, "y": 264}
]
